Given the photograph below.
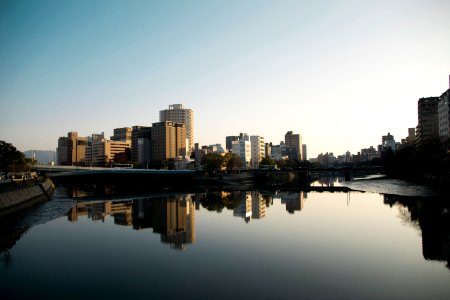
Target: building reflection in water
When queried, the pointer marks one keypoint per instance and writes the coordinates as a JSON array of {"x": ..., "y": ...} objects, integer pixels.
[
  {"x": 252, "y": 205},
  {"x": 294, "y": 201},
  {"x": 431, "y": 218},
  {"x": 172, "y": 217}
]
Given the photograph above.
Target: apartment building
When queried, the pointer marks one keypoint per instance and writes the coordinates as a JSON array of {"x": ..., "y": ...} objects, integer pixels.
[{"x": 179, "y": 114}]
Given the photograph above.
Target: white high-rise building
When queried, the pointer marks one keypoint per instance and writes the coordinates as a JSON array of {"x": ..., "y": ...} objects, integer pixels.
[
  {"x": 243, "y": 149},
  {"x": 258, "y": 150},
  {"x": 177, "y": 113}
]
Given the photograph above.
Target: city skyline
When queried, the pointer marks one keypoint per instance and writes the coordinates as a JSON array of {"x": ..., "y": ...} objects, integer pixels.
[{"x": 340, "y": 74}]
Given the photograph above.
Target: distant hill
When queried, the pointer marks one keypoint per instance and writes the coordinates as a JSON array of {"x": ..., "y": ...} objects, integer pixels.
[{"x": 42, "y": 156}]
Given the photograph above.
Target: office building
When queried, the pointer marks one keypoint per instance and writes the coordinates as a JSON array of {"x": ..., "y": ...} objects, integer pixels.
[
  {"x": 138, "y": 132},
  {"x": 244, "y": 150},
  {"x": 90, "y": 149},
  {"x": 104, "y": 151},
  {"x": 257, "y": 150},
  {"x": 178, "y": 114},
  {"x": 122, "y": 134},
  {"x": 411, "y": 138},
  {"x": 72, "y": 149},
  {"x": 388, "y": 142},
  {"x": 168, "y": 141},
  {"x": 428, "y": 122},
  {"x": 293, "y": 141},
  {"x": 144, "y": 152},
  {"x": 444, "y": 116},
  {"x": 304, "y": 152},
  {"x": 229, "y": 140},
  {"x": 367, "y": 154},
  {"x": 278, "y": 152},
  {"x": 267, "y": 150}
]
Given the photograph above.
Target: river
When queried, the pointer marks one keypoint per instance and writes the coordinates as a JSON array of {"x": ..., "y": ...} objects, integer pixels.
[{"x": 387, "y": 239}]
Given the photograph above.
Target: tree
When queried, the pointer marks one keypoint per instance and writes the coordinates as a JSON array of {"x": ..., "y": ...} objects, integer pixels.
[
  {"x": 12, "y": 160},
  {"x": 267, "y": 161},
  {"x": 232, "y": 161},
  {"x": 292, "y": 163},
  {"x": 281, "y": 163},
  {"x": 212, "y": 162}
]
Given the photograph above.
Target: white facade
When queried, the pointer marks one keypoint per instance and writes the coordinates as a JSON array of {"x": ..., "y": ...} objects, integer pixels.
[
  {"x": 258, "y": 150},
  {"x": 244, "y": 150}
]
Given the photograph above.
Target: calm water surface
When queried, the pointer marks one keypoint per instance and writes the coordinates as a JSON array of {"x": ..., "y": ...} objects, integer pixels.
[{"x": 239, "y": 244}]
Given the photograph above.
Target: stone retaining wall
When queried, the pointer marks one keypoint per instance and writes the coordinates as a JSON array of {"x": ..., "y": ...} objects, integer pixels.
[{"x": 16, "y": 201}]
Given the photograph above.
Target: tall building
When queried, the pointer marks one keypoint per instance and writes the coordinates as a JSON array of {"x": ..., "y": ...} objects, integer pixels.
[
  {"x": 410, "y": 139},
  {"x": 229, "y": 141},
  {"x": 178, "y": 114},
  {"x": 168, "y": 141},
  {"x": 444, "y": 115},
  {"x": 257, "y": 150},
  {"x": 304, "y": 152},
  {"x": 428, "y": 122},
  {"x": 244, "y": 150},
  {"x": 72, "y": 149},
  {"x": 267, "y": 150},
  {"x": 144, "y": 152},
  {"x": 122, "y": 134},
  {"x": 294, "y": 141},
  {"x": 62, "y": 153},
  {"x": 137, "y": 133},
  {"x": 388, "y": 141},
  {"x": 90, "y": 148}
]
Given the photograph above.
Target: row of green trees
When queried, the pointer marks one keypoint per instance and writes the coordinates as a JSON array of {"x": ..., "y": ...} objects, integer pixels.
[
  {"x": 214, "y": 162},
  {"x": 12, "y": 160}
]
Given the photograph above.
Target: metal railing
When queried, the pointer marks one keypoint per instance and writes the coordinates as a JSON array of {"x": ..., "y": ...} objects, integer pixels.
[{"x": 9, "y": 186}]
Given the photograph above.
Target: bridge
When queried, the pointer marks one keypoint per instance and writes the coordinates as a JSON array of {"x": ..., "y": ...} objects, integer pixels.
[
  {"x": 150, "y": 179},
  {"x": 129, "y": 178}
]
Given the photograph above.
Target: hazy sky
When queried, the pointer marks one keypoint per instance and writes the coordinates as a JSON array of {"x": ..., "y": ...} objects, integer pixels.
[{"x": 340, "y": 73}]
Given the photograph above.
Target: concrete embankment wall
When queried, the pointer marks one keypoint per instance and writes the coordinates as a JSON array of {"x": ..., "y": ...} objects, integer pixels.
[
  {"x": 282, "y": 179},
  {"x": 19, "y": 200}
]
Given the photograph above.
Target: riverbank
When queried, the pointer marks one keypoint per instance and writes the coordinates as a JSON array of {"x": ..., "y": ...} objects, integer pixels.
[
  {"x": 19, "y": 200},
  {"x": 440, "y": 181}
]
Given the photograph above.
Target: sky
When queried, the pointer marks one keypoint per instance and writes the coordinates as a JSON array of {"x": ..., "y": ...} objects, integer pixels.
[{"x": 340, "y": 73}]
